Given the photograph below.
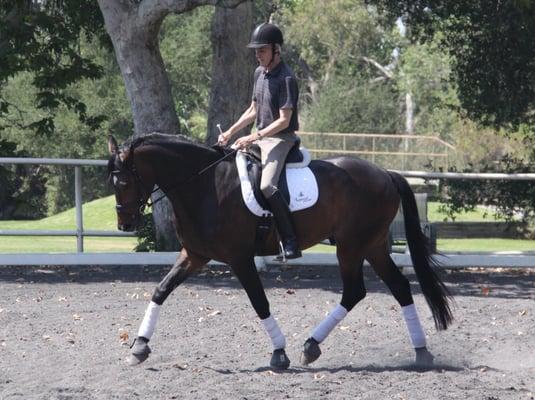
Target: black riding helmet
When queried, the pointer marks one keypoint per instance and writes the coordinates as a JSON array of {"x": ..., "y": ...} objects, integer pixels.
[{"x": 264, "y": 35}]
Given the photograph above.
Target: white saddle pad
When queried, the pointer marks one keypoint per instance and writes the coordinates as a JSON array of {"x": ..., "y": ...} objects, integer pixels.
[{"x": 302, "y": 186}]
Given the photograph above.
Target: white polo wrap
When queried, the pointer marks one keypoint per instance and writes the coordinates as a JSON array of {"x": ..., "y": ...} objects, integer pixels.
[
  {"x": 413, "y": 325},
  {"x": 148, "y": 325},
  {"x": 328, "y": 324},
  {"x": 275, "y": 334}
]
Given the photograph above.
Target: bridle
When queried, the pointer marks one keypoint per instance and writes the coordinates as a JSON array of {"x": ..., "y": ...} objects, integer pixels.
[
  {"x": 141, "y": 204},
  {"x": 141, "y": 189}
]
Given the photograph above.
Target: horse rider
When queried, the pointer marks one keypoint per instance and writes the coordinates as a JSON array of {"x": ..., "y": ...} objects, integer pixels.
[{"x": 274, "y": 108}]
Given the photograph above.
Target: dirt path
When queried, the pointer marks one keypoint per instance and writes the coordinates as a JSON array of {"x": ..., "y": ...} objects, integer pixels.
[{"x": 61, "y": 334}]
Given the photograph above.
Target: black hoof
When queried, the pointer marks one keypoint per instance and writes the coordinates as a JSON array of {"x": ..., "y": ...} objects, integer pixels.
[
  {"x": 424, "y": 358},
  {"x": 140, "y": 351},
  {"x": 311, "y": 351},
  {"x": 279, "y": 360}
]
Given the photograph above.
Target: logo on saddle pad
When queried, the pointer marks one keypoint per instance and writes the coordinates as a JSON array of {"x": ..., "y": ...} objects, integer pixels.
[
  {"x": 302, "y": 198},
  {"x": 302, "y": 187}
]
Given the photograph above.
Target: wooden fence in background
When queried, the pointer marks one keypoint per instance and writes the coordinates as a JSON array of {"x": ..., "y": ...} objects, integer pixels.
[{"x": 395, "y": 151}]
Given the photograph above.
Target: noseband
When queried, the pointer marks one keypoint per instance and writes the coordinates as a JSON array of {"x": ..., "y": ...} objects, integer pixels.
[{"x": 138, "y": 204}]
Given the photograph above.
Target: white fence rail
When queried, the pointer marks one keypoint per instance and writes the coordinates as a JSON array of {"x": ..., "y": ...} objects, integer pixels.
[
  {"x": 468, "y": 175},
  {"x": 457, "y": 260},
  {"x": 80, "y": 258},
  {"x": 79, "y": 232}
]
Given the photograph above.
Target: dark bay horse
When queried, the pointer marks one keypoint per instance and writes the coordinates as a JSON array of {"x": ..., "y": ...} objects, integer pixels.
[{"x": 357, "y": 202}]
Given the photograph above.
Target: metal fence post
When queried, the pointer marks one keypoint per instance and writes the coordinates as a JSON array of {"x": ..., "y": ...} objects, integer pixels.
[{"x": 79, "y": 213}]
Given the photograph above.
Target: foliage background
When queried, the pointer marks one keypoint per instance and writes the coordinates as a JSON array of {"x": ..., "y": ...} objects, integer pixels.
[{"x": 467, "y": 65}]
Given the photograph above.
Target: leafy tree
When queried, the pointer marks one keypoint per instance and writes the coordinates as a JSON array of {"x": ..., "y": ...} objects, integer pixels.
[
  {"x": 338, "y": 35},
  {"x": 72, "y": 138},
  {"x": 357, "y": 71},
  {"x": 147, "y": 84},
  {"x": 510, "y": 199},
  {"x": 343, "y": 106},
  {"x": 55, "y": 63},
  {"x": 423, "y": 71},
  {"x": 22, "y": 187},
  {"x": 492, "y": 48},
  {"x": 185, "y": 46},
  {"x": 43, "y": 37},
  {"x": 335, "y": 58}
]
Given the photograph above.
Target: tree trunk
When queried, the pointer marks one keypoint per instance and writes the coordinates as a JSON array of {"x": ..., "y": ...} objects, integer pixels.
[
  {"x": 409, "y": 114},
  {"x": 138, "y": 55},
  {"x": 232, "y": 67},
  {"x": 133, "y": 28},
  {"x": 148, "y": 90}
]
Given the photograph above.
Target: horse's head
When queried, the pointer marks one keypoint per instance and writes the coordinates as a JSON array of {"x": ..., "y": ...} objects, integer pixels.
[{"x": 131, "y": 194}]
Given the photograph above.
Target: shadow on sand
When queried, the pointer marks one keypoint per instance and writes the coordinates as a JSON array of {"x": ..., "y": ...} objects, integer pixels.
[
  {"x": 496, "y": 283},
  {"x": 350, "y": 368}
]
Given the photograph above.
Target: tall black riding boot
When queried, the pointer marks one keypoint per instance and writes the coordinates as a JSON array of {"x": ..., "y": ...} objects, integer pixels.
[{"x": 285, "y": 226}]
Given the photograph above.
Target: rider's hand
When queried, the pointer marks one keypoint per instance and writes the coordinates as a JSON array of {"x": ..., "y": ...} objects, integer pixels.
[
  {"x": 223, "y": 138},
  {"x": 245, "y": 141}
]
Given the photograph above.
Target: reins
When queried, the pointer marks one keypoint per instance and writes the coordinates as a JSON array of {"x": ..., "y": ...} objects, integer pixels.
[{"x": 189, "y": 179}]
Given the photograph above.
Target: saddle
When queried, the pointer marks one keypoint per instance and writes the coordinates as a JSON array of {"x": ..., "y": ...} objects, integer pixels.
[
  {"x": 298, "y": 157},
  {"x": 297, "y": 184}
]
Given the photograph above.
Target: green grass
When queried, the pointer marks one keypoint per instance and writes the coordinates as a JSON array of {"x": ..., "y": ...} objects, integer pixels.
[
  {"x": 97, "y": 215},
  {"x": 479, "y": 214},
  {"x": 449, "y": 245},
  {"x": 64, "y": 244},
  {"x": 100, "y": 215},
  {"x": 453, "y": 245}
]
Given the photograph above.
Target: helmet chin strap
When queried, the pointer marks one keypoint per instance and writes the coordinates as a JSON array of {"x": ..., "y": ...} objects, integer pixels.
[{"x": 273, "y": 52}]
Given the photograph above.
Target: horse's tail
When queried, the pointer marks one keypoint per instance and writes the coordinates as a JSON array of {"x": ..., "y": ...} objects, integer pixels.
[{"x": 434, "y": 290}]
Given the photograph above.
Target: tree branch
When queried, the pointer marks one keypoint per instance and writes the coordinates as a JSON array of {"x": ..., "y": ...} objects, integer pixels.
[
  {"x": 154, "y": 10},
  {"x": 386, "y": 72}
]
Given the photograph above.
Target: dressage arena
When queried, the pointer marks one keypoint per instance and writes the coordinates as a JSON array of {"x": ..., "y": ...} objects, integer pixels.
[{"x": 64, "y": 334}]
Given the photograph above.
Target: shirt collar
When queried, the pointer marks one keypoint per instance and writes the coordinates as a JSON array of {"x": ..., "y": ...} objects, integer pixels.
[{"x": 275, "y": 71}]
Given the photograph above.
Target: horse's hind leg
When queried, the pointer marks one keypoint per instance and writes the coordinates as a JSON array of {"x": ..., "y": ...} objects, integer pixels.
[
  {"x": 353, "y": 292},
  {"x": 183, "y": 267},
  {"x": 246, "y": 272},
  {"x": 399, "y": 286}
]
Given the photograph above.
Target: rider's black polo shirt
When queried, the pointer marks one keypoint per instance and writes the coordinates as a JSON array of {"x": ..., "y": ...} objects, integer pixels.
[{"x": 275, "y": 90}]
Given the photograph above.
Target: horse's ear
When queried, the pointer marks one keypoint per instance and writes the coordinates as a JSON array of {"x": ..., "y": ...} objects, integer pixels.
[{"x": 113, "y": 148}]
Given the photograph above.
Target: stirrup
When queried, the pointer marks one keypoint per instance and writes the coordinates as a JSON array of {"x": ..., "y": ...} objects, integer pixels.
[{"x": 281, "y": 257}]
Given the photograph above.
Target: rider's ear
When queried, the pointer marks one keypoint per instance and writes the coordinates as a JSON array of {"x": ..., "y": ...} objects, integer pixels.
[{"x": 113, "y": 148}]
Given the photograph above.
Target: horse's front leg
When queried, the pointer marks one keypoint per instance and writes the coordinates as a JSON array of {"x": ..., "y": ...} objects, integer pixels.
[
  {"x": 246, "y": 272},
  {"x": 183, "y": 267}
]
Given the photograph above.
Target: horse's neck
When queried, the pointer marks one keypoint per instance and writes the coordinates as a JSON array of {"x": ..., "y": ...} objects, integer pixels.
[
  {"x": 195, "y": 198},
  {"x": 172, "y": 169}
]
